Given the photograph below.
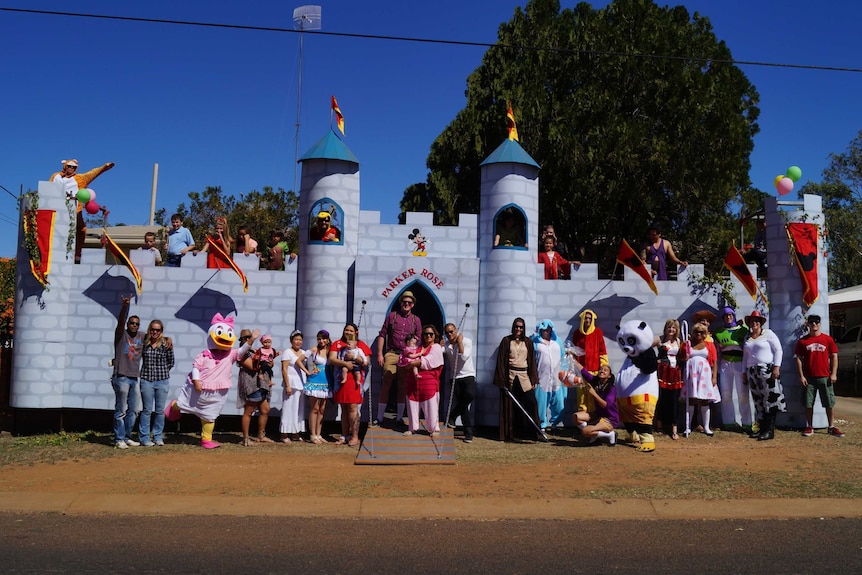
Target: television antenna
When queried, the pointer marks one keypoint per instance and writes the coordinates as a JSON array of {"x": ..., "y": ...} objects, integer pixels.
[{"x": 304, "y": 18}]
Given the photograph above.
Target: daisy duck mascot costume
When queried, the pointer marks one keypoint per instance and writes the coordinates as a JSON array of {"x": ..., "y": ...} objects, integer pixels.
[
  {"x": 637, "y": 383},
  {"x": 207, "y": 386}
]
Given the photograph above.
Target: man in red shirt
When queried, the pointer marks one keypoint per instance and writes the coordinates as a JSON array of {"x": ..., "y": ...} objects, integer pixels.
[{"x": 817, "y": 363}]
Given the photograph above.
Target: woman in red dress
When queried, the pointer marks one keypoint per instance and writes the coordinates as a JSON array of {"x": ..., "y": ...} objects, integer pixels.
[{"x": 348, "y": 394}]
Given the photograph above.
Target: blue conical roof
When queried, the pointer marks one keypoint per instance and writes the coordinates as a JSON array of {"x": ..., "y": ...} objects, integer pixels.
[
  {"x": 510, "y": 152},
  {"x": 329, "y": 147}
]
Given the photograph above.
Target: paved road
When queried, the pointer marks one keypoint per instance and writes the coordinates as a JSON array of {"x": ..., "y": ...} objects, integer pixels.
[{"x": 53, "y": 543}]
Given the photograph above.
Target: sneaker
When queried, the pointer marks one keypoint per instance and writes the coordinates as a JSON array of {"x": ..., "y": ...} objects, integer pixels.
[
  {"x": 809, "y": 431},
  {"x": 132, "y": 443},
  {"x": 835, "y": 432},
  {"x": 121, "y": 445},
  {"x": 160, "y": 443},
  {"x": 468, "y": 439},
  {"x": 148, "y": 444},
  {"x": 375, "y": 423}
]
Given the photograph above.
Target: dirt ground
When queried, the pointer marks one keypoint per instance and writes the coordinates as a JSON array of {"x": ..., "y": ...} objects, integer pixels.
[{"x": 728, "y": 466}]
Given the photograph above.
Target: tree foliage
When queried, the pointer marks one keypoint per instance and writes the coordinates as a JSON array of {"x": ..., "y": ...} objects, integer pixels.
[
  {"x": 7, "y": 298},
  {"x": 632, "y": 111},
  {"x": 262, "y": 211},
  {"x": 841, "y": 190}
]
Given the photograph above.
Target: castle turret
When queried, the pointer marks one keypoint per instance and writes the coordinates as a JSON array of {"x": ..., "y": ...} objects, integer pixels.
[
  {"x": 328, "y": 236},
  {"x": 509, "y": 210}
]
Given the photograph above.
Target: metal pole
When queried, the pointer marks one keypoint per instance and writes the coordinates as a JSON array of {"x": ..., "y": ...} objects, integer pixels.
[{"x": 153, "y": 194}]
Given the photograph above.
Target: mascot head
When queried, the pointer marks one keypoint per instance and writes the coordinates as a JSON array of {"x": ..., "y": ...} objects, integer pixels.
[
  {"x": 634, "y": 338},
  {"x": 221, "y": 335}
]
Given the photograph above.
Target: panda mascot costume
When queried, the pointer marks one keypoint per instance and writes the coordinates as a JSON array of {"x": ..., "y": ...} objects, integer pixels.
[{"x": 637, "y": 383}]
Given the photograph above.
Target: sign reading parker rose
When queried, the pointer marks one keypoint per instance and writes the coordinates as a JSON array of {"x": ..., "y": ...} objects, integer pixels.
[{"x": 407, "y": 274}]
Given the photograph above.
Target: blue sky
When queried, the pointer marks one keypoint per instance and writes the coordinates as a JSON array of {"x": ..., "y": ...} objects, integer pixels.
[{"x": 217, "y": 107}]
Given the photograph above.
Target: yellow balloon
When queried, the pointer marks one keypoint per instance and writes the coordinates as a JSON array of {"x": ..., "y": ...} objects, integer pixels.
[{"x": 778, "y": 179}]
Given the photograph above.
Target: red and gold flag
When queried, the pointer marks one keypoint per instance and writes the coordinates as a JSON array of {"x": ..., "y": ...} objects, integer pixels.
[
  {"x": 803, "y": 242},
  {"x": 629, "y": 258},
  {"x": 510, "y": 123},
  {"x": 339, "y": 117},
  {"x": 223, "y": 257},
  {"x": 737, "y": 266},
  {"x": 40, "y": 263},
  {"x": 122, "y": 258}
]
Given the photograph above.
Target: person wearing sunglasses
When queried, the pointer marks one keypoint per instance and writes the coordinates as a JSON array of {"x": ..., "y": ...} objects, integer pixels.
[
  {"x": 157, "y": 360},
  {"x": 324, "y": 231},
  {"x": 516, "y": 372},
  {"x": 459, "y": 349},
  {"x": 128, "y": 345},
  {"x": 817, "y": 363},
  {"x": 423, "y": 390}
]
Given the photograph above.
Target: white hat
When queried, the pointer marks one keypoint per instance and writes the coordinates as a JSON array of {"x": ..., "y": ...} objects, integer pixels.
[{"x": 71, "y": 163}]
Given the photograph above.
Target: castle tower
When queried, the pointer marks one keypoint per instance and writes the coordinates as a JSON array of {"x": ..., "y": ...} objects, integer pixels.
[
  {"x": 788, "y": 314},
  {"x": 509, "y": 210},
  {"x": 328, "y": 236},
  {"x": 47, "y": 353}
]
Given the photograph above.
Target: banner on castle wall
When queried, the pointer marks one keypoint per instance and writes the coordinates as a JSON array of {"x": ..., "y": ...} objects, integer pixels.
[
  {"x": 122, "y": 258},
  {"x": 735, "y": 262},
  {"x": 223, "y": 256},
  {"x": 40, "y": 264},
  {"x": 803, "y": 243},
  {"x": 629, "y": 258}
]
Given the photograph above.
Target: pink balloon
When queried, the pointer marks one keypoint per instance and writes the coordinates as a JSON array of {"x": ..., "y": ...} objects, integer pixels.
[
  {"x": 785, "y": 186},
  {"x": 92, "y": 195},
  {"x": 93, "y": 208}
]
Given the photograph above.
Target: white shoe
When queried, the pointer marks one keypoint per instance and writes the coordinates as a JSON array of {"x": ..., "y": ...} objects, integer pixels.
[
  {"x": 121, "y": 445},
  {"x": 160, "y": 443},
  {"x": 132, "y": 443},
  {"x": 148, "y": 444}
]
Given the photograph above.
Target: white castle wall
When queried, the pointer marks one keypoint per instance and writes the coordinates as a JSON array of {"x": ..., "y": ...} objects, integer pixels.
[{"x": 64, "y": 336}]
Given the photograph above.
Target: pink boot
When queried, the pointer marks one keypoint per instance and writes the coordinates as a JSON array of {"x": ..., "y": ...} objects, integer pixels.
[
  {"x": 209, "y": 444},
  {"x": 172, "y": 412}
]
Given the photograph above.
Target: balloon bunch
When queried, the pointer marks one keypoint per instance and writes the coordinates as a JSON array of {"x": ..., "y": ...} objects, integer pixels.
[
  {"x": 784, "y": 184},
  {"x": 88, "y": 198}
]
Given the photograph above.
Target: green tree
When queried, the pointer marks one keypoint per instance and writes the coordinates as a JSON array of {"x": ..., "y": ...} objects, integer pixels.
[
  {"x": 841, "y": 190},
  {"x": 634, "y": 114}
]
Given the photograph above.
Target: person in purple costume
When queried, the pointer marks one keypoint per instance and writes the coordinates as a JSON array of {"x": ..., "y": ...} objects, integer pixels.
[
  {"x": 604, "y": 419},
  {"x": 656, "y": 252}
]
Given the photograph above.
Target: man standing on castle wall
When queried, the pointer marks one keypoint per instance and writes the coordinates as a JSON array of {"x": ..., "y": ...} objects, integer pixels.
[
  {"x": 730, "y": 340},
  {"x": 72, "y": 182},
  {"x": 390, "y": 342}
]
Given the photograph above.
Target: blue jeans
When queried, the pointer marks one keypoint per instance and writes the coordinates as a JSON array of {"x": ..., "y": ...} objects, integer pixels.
[
  {"x": 126, "y": 399},
  {"x": 153, "y": 391}
]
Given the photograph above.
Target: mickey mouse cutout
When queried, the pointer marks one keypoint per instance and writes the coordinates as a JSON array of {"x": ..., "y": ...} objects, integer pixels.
[{"x": 418, "y": 242}]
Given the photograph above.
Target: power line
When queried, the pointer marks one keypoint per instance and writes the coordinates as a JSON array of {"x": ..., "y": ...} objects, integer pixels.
[{"x": 440, "y": 41}]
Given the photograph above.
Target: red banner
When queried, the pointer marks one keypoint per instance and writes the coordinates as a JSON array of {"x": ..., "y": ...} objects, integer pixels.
[
  {"x": 222, "y": 255},
  {"x": 629, "y": 258},
  {"x": 803, "y": 242},
  {"x": 737, "y": 266},
  {"x": 121, "y": 256},
  {"x": 40, "y": 264}
]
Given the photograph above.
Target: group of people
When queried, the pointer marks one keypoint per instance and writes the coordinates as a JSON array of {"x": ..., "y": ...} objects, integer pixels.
[
  {"x": 219, "y": 241},
  {"x": 334, "y": 371},
  {"x": 737, "y": 367}
]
